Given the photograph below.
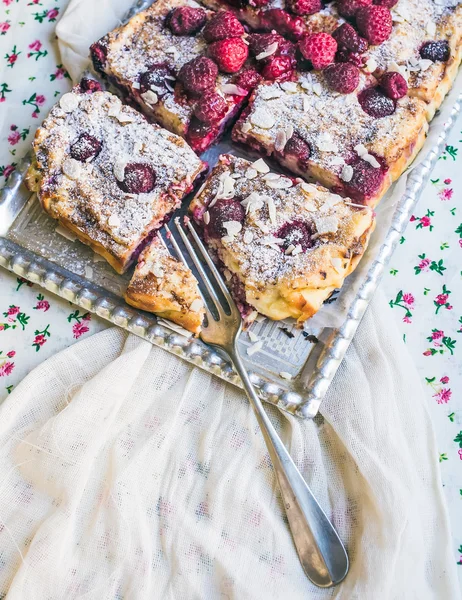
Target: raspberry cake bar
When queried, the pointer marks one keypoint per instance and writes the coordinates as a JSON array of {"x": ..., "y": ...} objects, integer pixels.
[
  {"x": 107, "y": 174},
  {"x": 284, "y": 246},
  {"x": 186, "y": 67},
  {"x": 164, "y": 285},
  {"x": 356, "y": 143}
]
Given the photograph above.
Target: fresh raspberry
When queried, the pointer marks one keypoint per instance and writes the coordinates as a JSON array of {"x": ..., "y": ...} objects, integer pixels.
[
  {"x": 278, "y": 67},
  {"x": 376, "y": 104},
  {"x": 248, "y": 79},
  {"x": 155, "y": 78},
  {"x": 139, "y": 178},
  {"x": 90, "y": 85},
  {"x": 295, "y": 234},
  {"x": 283, "y": 23},
  {"x": 229, "y": 54},
  {"x": 186, "y": 20},
  {"x": 319, "y": 48},
  {"x": 348, "y": 8},
  {"x": 98, "y": 52},
  {"x": 258, "y": 3},
  {"x": 374, "y": 23},
  {"x": 85, "y": 147},
  {"x": 210, "y": 108},
  {"x": 260, "y": 42},
  {"x": 436, "y": 51},
  {"x": 198, "y": 75},
  {"x": 345, "y": 56},
  {"x": 394, "y": 85},
  {"x": 222, "y": 212},
  {"x": 387, "y": 3},
  {"x": 300, "y": 149},
  {"x": 366, "y": 180},
  {"x": 200, "y": 135},
  {"x": 342, "y": 77},
  {"x": 348, "y": 38},
  {"x": 304, "y": 7},
  {"x": 223, "y": 25}
]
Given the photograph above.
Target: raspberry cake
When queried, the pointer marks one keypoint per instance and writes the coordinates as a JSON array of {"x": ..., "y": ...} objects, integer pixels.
[
  {"x": 284, "y": 246},
  {"x": 186, "y": 67},
  {"x": 164, "y": 285},
  {"x": 356, "y": 143},
  {"x": 425, "y": 46},
  {"x": 107, "y": 174}
]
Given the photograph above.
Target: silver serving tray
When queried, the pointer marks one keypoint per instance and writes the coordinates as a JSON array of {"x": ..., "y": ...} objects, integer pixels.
[{"x": 31, "y": 248}]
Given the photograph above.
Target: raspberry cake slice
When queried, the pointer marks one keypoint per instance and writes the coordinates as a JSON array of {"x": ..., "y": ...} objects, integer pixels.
[
  {"x": 356, "y": 143},
  {"x": 107, "y": 174},
  {"x": 164, "y": 285},
  {"x": 425, "y": 46},
  {"x": 186, "y": 67},
  {"x": 284, "y": 246}
]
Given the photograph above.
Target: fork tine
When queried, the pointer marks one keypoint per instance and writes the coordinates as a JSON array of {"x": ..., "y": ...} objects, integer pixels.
[
  {"x": 212, "y": 267},
  {"x": 174, "y": 243},
  {"x": 202, "y": 273}
]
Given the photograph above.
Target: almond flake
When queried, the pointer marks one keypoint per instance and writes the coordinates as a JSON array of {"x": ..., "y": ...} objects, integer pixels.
[
  {"x": 268, "y": 52},
  {"x": 347, "y": 173},
  {"x": 289, "y": 86},
  {"x": 251, "y": 173},
  {"x": 281, "y": 183},
  {"x": 125, "y": 117},
  {"x": 306, "y": 103},
  {"x": 72, "y": 168},
  {"x": 252, "y": 203},
  {"x": 271, "y": 92},
  {"x": 431, "y": 28},
  {"x": 206, "y": 217},
  {"x": 227, "y": 191},
  {"x": 196, "y": 305},
  {"x": 337, "y": 263},
  {"x": 233, "y": 90},
  {"x": 371, "y": 65},
  {"x": 271, "y": 176},
  {"x": 253, "y": 336},
  {"x": 425, "y": 64},
  {"x": 289, "y": 249},
  {"x": 310, "y": 206},
  {"x": 262, "y": 226},
  {"x": 232, "y": 227},
  {"x": 280, "y": 140},
  {"x": 251, "y": 350},
  {"x": 69, "y": 102},
  {"x": 136, "y": 85},
  {"x": 360, "y": 150},
  {"x": 263, "y": 119},
  {"x": 326, "y": 224},
  {"x": 119, "y": 169},
  {"x": 246, "y": 127},
  {"x": 271, "y": 209},
  {"x": 113, "y": 221},
  {"x": 157, "y": 271},
  {"x": 317, "y": 89},
  {"x": 260, "y": 166},
  {"x": 150, "y": 97},
  {"x": 297, "y": 250},
  {"x": 371, "y": 160},
  {"x": 248, "y": 237},
  {"x": 308, "y": 187},
  {"x": 337, "y": 160}
]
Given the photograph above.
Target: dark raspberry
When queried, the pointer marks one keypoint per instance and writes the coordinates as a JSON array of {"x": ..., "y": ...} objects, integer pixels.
[
  {"x": 223, "y": 25},
  {"x": 139, "y": 178},
  {"x": 375, "y": 23},
  {"x": 348, "y": 8},
  {"x": 222, "y": 212},
  {"x": 98, "y": 52},
  {"x": 260, "y": 42},
  {"x": 283, "y": 23},
  {"x": 155, "y": 78},
  {"x": 366, "y": 180},
  {"x": 394, "y": 85},
  {"x": 436, "y": 51},
  {"x": 278, "y": 67},
  {"x": 198, "y": 75},
  {"x": 345, "y": 56},
  {"x": 348, "y": 38},
  {"x": 85, "y": 147},
  {"x": 297, "y": 233},
  {"x": 387, "y": 3},
  {"x": 229, "y": 54},
  {"x": 186, "y": 20},
  {"x": 319, "y": 48},
  {"x": 248, "y": 79},
  {"x": 90, "y": 85},
  {"x": 304, "y": 7},
  {"x": 300, "y": 149},
  {"x": 342, "y": 77},
  {"x": 210, "y": 108},
  {"x": 376, "y": 104},
  {"x": 200, "y": 135},
  {"x": 258, "y": 3}
]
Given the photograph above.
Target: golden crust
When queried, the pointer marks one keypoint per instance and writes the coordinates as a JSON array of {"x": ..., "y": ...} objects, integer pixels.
[
  {"x": 85, "y": 196},
  {"x": 165, "y": 286},
  {"x": 275, "y": 283}
]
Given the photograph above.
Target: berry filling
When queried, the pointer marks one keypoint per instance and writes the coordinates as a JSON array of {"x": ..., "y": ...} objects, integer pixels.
[
  {"x": 436, "y": 51},
  {"x": 222, "y": 212},
  {"x": 299, "y": 149},
  {"x": 229, "y": 54},
  {"x": 198, "y": 75},
  {"x": 139, "y": 178},
  {"x": 285, "y": 24},
  {"x": 85, "y": 147},
  {"x": 90, "y": 85},
  {"x": 366, "y": 181},
  {"x": 223, "y": 25},
  {"x": 98, "y": 52},
  {"x": 297, "y": 233},
  {"x": 186, "y": 20},
  {"x": 376, "y": 104},
  {"x": 155, "y": 79}
]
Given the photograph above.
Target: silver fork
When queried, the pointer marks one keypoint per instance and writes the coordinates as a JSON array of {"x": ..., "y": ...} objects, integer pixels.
[{"x": 320, "y": 550}]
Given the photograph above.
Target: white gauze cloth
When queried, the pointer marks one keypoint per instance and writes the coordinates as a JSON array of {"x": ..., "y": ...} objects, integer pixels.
[{"x": 128, "y": 474}]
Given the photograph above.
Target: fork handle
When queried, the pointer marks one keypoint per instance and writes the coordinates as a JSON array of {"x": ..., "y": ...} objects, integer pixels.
[{"x": 319, "y": 548}]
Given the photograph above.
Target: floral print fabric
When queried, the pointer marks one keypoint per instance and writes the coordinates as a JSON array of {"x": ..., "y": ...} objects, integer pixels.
[{"x": 423, "y": 283}]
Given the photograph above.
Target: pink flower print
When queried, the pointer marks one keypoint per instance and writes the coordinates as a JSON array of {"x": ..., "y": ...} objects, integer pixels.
[
  {"x": 460, "y": 456},
  {"x": 406, "y": 320},
  {"x": 460, "y": 242},
  {"x": 446, "y": 194},
  {"x": 447, "y": 181},
  {"x": 79, "y": 329},
  {"x": 443, "y": 396},
  {"x": 59, "y": 73},
  {"x": 34, "y": 115},
  {"x": 8, "y": 170},
  {"x": 7, "y": 2},
  {"x": 40, "y": 100},
  {"x": 39, "y": 340},
  {"x": 4, "y": 26},
  {"x": 441, "y": 299},
  {"x": 425, "y": 221},
  {"x": 424, "y": 264},
  {"x": 52, "y": 14},
  {"x": 42, "y": 305},
  {"x": 35, "y": 45},
  {"x": 413, "y": 218},
  {"x": 408, "y": 300},
  {"x": 437, "y": 334},
  {"x": 12, "y": 312},
  {"x": 444, "y": 379},
  {"x": 6, "y": 369},
  {"x": 14, "y": 137},
  {"x": 11, "y": 353},
  {"x": 427, "y": 353}
]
